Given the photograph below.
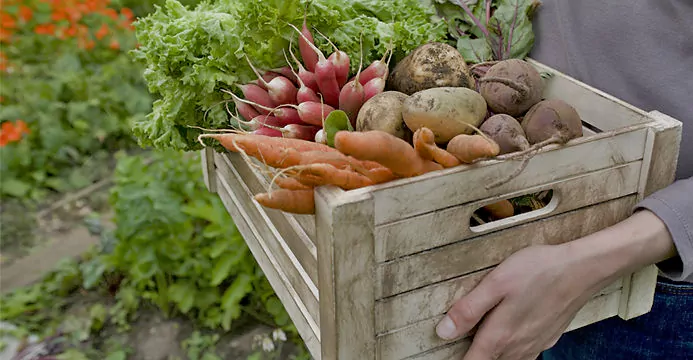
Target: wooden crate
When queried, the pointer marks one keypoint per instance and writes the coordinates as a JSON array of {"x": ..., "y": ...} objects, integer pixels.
[{"x": 373, "y": 271}]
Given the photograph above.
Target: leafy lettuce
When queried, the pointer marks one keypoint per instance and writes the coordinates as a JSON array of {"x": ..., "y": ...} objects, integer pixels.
[{"x": 190, "y": 54}]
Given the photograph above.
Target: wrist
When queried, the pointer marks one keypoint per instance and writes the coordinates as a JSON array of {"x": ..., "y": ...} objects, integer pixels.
[{"x": 638, "y": 241}]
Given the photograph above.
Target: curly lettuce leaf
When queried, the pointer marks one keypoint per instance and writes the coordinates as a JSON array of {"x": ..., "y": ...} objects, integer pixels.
[{"x": 191, "y": 54}]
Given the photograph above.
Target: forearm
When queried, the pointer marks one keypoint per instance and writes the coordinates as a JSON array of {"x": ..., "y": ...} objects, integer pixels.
[{"x": 640, "y": 240}]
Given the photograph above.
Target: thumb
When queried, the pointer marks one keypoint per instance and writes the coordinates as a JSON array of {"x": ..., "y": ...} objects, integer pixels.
[{"x": 468, "y": 311}]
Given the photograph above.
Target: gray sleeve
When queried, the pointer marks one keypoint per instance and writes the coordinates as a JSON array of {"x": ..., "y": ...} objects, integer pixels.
[{"x": 674, "y": 205}]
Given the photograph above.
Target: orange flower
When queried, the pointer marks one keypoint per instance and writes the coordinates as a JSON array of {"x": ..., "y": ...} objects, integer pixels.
[
  {"x": 110, "y": 13},
  {"x": 115, "y": 45},
  {"x": 25, "y": 13},
  {"x": 127, "y": 13},
  {"x": 7, "y": 21},
  {"x": 5, "y": 35},
  {"x": 45, "y": 29},
  {"x": 58, "y": 15},
  {"x": 10, "y": 133},
  {"x": 102, "y": 32}
]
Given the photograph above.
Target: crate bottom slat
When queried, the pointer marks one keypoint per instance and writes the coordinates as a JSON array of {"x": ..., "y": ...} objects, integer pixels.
[{"x": 305, "y": 323}]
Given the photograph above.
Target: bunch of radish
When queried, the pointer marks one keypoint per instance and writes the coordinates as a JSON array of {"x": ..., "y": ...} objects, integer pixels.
[{"x": 293, "y": 103}]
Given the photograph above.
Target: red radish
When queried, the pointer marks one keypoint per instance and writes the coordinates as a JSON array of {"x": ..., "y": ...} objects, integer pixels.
[
  {"x": 325, "y": 76},
  {"x": 261, "y": 121},
  {"x": 321, "y": 137},
  {"x": 280, "y": 89},
  {"x": 287, "y": 116},
  {"x": 340, "y": 60},
  {"x": 304, "y": 75},
  {"x": 312, "y": 112},
  {"x": 377, "y": 69},
  {"x": 268, "y": 132},
  {"x": 256, "y": 95},
  {"x": 304, "y": 93},
  {"x": 295, "y": 131},
  {"x": 287, "y": 72},
  {"x": 267, "y": 76},
  {"x": 247, "y": 111},
  {"x": 373, "y": 88},
  {"x": 351, "y": 98},
  {"x": 306, "y": 45}
]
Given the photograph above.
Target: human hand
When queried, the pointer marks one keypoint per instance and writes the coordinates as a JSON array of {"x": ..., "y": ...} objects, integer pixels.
[
  {"x": 526, "y": 303},
  {"x": 522, "y": 307}
]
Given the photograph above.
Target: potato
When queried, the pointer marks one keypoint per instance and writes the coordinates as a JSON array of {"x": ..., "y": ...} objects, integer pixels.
[
  {"x": 384, "y": 112},
  {"x": 429, "y": 66},
  {"x": 447, "y": 111}
]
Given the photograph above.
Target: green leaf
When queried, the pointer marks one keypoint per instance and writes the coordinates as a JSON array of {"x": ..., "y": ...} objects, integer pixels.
[
  {"x": 117, "y": 355},
  {"x": 15, "y": 187},
  {"x": 336, "y": 121},
  {"x": 223, "y": 266},
  {"x": 476, "y": 50},
  {"x": 240, "y": 287},
  {"x": 183, "y": 294}
]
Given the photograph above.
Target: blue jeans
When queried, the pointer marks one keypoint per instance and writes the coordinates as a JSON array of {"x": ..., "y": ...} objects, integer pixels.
[{"x": 665, "y": 333}]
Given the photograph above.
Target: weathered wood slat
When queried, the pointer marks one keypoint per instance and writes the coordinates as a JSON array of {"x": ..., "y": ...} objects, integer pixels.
[
  {"x": 596, "y": 107},
  {"x": 408, "y": 308},
  {"x": 453, "y": 260},
  {"x": 270, "y": 238},
  {"x": 300, "y": 244},
  {"x": 279, "y": 279},
  {"x": 452, "y": 351},
  {"x": 344, "y": 227},
  {"x": 409, "y": 197},
  {"x": 208, "y": 169},
  {"x": 431, "y": 230},
  {"x": 421, "y": 336}
]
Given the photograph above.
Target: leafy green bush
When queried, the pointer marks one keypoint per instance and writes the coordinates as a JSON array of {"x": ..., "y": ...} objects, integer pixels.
[{"x": 66, "y": 76}]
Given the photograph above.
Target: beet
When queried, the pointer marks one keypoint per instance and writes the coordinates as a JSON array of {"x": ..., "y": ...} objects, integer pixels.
[
  {"x": 553, "y": 121},
  {"x": 511, "y": 87},
  {"x": 507, "y": 132}
]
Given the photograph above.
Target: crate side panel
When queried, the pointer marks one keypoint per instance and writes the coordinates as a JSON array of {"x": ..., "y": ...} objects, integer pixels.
[
  {"x": 299, "y": 243},
  {"x": 446, "y": 226},
  {"x": 482, "y": 252},
  {"x": 306, "y": 325},
  {"x": 271, "y": 238},
  {"x": 595, "y": 107},
  {"x": 442, "y": 189},
  {"x": 413, "y": 306}
]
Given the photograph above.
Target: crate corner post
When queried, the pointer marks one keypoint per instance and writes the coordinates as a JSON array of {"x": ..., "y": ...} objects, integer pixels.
[
  {"x": 345, "y": 233},
  {"x": 658, "y": 171}
]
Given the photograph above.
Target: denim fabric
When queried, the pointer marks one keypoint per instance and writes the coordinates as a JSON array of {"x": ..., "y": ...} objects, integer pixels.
[{"x": 665, "y": 333}]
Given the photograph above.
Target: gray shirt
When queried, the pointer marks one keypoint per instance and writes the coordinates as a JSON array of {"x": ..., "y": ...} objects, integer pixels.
[{"x": 640, "y": 51}]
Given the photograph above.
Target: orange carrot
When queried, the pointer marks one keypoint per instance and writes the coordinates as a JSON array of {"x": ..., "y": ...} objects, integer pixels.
[
  {"x": 290, "y": 183},
  {"x": 500, "y": 210},
  {"x": 325, "y": 174},
  {"x": 386, "y": 149},
  {"x": 425, "y": 145},
  {"x": 468, "y": 148},
  {"x": 292, "y": 201}
]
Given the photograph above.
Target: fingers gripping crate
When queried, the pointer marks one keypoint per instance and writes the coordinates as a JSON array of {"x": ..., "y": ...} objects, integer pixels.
[{"x": 373, "y": 271}]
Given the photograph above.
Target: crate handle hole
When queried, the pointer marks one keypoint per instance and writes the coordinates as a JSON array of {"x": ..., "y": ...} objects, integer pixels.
[{"x": 524, "y": 207}]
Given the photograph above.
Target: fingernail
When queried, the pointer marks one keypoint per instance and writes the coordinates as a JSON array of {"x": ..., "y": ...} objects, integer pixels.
[{"x": 446, "y": 328}]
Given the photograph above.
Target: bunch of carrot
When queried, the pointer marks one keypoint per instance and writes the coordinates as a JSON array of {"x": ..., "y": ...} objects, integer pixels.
[
  {"x": 291, "y": 103},
  {"x": 358, "y": 159}
]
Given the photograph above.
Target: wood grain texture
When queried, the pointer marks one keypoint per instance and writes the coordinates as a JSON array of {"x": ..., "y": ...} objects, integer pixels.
[
  {"x": 406, "y": 237},
  {"x": 452, "y": 351},
  {"x": 595, "y": 107},
  {"x": 638, "y": 293},
  {"x": 401, "y": 199},
  {"x": 460, "y": 258},
  {"x": 597, "y": 309},
  {"x": 298, "y": 241},
  {"x": 237, "y": 206},
  {"x": 666, "y": 147},
  {"x": 208, "y": 169},
  {"x": 344, "y": 226},
  {"x": 270, "y": 238}
]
